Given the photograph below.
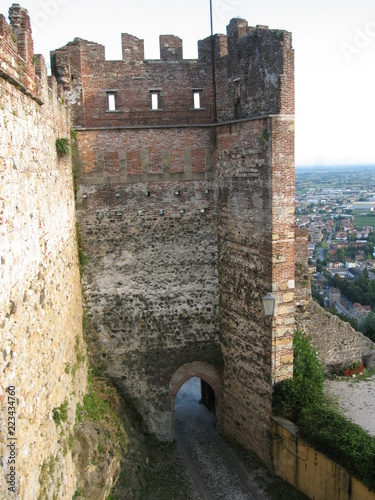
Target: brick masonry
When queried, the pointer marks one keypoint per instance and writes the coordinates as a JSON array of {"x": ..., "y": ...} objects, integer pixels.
[
  {"x": 164, "y": 292},
  {"x": 40, "y": 297}
]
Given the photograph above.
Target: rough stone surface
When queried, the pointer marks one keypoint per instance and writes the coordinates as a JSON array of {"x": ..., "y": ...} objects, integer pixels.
[
  {"x": 97, "y": 464},
  {"x": 42, "y": 349},
  {"x": 335, "y": 341},
  {"x": 256, "y": 254},
  {"x": 151, "y": 290}
]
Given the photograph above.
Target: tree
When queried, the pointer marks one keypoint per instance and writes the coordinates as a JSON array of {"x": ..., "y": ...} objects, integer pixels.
[
  {"x": 367, "y": 326},
  {"x": 341, "y": 255}
]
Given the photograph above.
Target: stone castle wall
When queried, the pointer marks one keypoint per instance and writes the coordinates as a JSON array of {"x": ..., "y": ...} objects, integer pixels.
[
  {"x": 150, "y": 283},
  {"x": 336, "y": 343},
  {"x": 150, "y": 286},
  {"x": 167, "y": 290},
  {"x": 40, "y": 296}
]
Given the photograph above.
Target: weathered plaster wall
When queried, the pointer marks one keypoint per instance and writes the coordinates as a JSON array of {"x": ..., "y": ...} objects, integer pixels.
[
  {"x": 40, "y": 297},
  {"x": 309, "y": 471}
]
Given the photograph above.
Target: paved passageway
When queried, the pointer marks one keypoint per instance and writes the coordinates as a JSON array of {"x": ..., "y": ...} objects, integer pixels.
[{"x": 216, "y": 471}]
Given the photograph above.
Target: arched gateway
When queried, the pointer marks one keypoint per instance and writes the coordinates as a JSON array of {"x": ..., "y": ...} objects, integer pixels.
[{"x": 207, "y": 373}]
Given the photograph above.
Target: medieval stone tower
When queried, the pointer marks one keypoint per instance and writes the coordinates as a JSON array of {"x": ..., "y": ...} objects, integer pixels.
[
  {"x": 186, "y": 209},
  {"x": 185, "y": 206}
]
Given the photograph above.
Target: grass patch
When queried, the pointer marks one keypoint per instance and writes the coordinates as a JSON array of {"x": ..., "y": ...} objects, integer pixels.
[
  {"x": 62, "y": 146},
  {"x": 60, "y": 414},
  {"x": 97, "y": 409},
  {"x": 360, "y": 221}
]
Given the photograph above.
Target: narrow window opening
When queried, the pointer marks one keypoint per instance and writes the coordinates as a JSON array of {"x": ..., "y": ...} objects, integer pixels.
[
  {"x": 237, "y": 89},
  {"x": 111, "y": 102},
  {"x": 154, "y": 100},
  {"x": 237, "y": 98},
  {"x": 197, "y": 100}
]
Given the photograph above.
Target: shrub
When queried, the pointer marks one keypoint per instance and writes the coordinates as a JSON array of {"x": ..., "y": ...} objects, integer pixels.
[
  {"x": 301, "y": 399},
  {"x": 60, "y": 414},
  {"x": 306, "y": 387},
  {"x": 62, "y": 146},
  {"x": 345, "y": 442},
  {"x": 367, "y": 326}
]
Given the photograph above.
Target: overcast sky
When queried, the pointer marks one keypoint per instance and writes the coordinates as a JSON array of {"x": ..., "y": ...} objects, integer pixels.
[{"x": 334, "y": 43}]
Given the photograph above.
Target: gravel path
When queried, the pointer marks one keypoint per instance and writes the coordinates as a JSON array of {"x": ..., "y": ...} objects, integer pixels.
[{"x": 355, "y": 398}]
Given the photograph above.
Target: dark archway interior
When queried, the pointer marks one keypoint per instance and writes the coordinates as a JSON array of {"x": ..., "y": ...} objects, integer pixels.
[
  {"x": 195, "y": 401},
  {"x": 207, "y": 396}
]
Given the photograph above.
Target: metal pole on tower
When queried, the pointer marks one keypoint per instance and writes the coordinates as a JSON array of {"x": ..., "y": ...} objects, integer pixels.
[{"x": 213, "y": 65}]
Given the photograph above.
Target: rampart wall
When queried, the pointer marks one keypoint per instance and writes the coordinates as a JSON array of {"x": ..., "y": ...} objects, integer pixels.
[
  {"x": 163, "y": 192},
  {"x": 337, "y": 344},
  {"x": 188, "y": 218},
  {"x": 40, "y": 296}
]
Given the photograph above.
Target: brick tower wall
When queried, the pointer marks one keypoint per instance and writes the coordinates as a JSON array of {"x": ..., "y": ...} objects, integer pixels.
[
  {"x": 255, "y": 173},
  {"x": 132, "y": 81},
  {"x": 240, "y": 170}
]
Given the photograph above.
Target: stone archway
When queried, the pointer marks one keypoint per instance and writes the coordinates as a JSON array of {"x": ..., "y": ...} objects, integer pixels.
[{"x": 205, "y": 372}]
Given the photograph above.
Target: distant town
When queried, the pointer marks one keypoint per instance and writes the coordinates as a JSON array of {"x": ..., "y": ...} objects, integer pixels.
[{"x": 337, "y": 207}]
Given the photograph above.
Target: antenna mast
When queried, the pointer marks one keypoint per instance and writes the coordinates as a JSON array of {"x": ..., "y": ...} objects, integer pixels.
[{"x": 213, "y": 65}]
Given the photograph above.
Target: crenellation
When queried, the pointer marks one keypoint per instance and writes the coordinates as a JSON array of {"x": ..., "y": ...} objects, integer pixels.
[
  {"x": 236, "y": 29},
  {"x": 132, "y": 48},
  {"x": 20, "y": 23},
  {"x": 170, "y": 48}
]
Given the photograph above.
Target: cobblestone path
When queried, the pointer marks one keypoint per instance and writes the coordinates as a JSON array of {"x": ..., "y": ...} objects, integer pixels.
[{"x": 216, "y": 471}]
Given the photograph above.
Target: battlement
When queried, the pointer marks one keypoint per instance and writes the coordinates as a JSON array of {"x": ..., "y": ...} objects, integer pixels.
[
  {"x": 17, "y": 60},
  {"x": 18, "y": 63},
  {"x": 254, "y": 75}
]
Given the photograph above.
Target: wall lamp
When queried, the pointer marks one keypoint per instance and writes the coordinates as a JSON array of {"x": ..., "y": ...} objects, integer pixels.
[{"x": 269, "y": 304}]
